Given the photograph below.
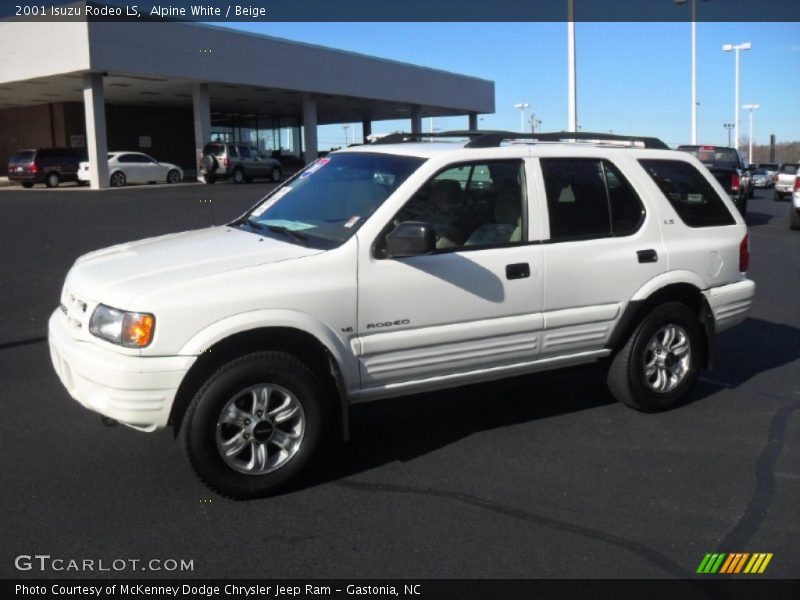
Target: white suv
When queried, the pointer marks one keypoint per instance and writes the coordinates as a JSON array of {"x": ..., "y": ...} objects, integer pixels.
[{"x": 393, "y": 268}]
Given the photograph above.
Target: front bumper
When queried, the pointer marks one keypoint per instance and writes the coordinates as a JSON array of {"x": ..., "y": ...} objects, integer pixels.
[
  {"x": 730, "y": 303},
  {"x": 134, "y": 390}
]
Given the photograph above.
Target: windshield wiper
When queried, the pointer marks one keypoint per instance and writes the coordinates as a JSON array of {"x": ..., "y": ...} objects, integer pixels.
[{"x": 298, "y": 237}]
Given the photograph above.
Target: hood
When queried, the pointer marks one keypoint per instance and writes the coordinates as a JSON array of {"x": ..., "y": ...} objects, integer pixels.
[{"x": 116, "y": 275}]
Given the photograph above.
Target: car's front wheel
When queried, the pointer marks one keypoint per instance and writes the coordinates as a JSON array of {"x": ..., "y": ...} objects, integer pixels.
[
  {"x": 254, "y": 426},
  {"x": 238, "y": 175},
  {"x": 659, "y": 362},
  {"x": 275, "y": 174},
  {"x": 173, "y": 176}
]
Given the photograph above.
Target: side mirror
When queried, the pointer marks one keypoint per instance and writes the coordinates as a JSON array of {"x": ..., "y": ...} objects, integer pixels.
[{"x": 411, "y": 238}]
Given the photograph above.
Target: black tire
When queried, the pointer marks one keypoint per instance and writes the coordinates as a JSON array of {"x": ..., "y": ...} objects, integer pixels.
[
  {"x": 173, "y": 176},
  {"x": 776, "y": 196},
  {"x": 626, "y": 375},
  {"x": 794, "y": 218},
  {"x": 238, "y": 175},
  {"x": 275, "y": 175},
  {"x": 27, "y": 185},
  {"x": 199, "y": 429},
  {"x": 209, "y": 179},
  {"x": 742, "y": 206},
  {"x": 82, "y": 182},
  {"x": 52, "y": 180},
  {"x": 118, "y": 179}
]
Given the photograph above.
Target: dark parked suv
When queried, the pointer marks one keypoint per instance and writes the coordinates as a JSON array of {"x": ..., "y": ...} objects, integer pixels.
[
  {"x": 50, "y": 166},
  {"x": 238, "y": 162}
]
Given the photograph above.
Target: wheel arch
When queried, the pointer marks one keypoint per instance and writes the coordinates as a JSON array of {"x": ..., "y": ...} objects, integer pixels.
[
  {"x": 301, "y": 344},
  {"x": 641, "y": 304}
]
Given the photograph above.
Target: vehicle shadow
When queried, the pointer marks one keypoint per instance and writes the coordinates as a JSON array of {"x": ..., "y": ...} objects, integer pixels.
[
  {"x": 756, "y": 219},
  {"x": 404, "y": 428}
]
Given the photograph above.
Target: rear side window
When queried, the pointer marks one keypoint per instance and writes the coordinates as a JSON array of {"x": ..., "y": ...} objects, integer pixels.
[
  {"x": 691, "y": 195},
  {"x": 589, "y": 198},
  {"x": 244, "y": 151}
]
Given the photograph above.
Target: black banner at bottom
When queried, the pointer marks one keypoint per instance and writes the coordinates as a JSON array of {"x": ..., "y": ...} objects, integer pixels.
[{"x": 408, "y": 589}]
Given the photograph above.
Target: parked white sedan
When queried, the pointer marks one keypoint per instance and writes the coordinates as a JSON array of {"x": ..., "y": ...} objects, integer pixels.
[{"x": 135, "y": 167}]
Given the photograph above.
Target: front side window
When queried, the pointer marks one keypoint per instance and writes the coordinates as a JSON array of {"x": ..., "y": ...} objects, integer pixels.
[
  {"x": 689, "y": 192},
  {"x": 589, "y": 198},
  {"x": 472, "y": 205},
  {"x": 244, "y": 151},
  {"x": 327, "y": 202}
]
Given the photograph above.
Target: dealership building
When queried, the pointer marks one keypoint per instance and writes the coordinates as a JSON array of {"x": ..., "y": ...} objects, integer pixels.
[{"x": 168, "y": 88}]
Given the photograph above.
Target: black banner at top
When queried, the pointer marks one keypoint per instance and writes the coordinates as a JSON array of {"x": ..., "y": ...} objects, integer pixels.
[{"x": 406, "y": 11}]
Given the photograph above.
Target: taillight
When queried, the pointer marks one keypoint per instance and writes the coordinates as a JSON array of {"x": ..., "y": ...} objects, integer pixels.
[
  {"x": 34, "y": 168},
  {"x": 226, "y": 162},
  {"x": 775, "y": 178},
  {"x": 797, "y": 184},
  {"x": 735, "y": 181},
  {"x": 744, "y": 253}
]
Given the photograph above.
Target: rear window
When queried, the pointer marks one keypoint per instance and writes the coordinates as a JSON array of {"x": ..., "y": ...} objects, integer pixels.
[
  {"x": 789, "y": 169},
  {"x": 22, "y": 157},
  {"x": 713, "y": 156},
  {"x": 689, "y": 192},
  {"x": 214, "y": 149}
]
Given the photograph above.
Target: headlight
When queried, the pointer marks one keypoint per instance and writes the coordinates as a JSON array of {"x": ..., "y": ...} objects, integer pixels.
[{"x": 129, "y": 329}]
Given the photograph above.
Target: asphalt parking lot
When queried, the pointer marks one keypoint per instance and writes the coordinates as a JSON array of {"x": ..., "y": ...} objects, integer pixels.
[{"x": 540, "y": 476}]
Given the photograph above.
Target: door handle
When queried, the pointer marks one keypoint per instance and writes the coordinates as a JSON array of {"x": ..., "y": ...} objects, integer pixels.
[
  {"x": 647, "y": 256},
  {"x": 518, "y": 271}
]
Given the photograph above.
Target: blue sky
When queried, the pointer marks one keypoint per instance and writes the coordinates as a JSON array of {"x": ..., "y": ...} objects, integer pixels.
[{"x": 632, "y": 77}]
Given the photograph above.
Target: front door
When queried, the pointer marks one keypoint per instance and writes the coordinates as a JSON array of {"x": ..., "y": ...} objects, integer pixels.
[{"x": 472, "y": 306}]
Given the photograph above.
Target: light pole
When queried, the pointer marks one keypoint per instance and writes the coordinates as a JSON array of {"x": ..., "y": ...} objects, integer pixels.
[
  {"x": 751, "y": 108},
  {"x": 521, "y": 106},
  {"x": 534, "y": 122},
  {"x": 694, "y": 67},
  {"x": 346, "y": 134},
  {"x": 735, "y": 48},
  {"x": 572, "y": 93},
  {"x": 728, "y": 126}
]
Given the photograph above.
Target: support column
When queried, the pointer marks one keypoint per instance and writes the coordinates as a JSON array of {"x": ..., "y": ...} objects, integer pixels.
[
  {"x": 366, "y": 130},
  {"x": 416, "y": 119},
  {"x": 201, "y": 104},
  {"x": 96, "y": 142},
  {"x": 473, "y": 122},
  {"x": 297, "y": 145},
  {"x": 310, "y": 129}
]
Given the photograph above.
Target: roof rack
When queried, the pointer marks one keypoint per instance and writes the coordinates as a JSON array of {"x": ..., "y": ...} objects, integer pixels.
[{"x": 492, "y": 139}]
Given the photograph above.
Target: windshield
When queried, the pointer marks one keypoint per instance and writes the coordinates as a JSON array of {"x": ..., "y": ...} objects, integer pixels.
[
  {"x": 327, "y": 202},
  {"x": 713, "y": 156}
]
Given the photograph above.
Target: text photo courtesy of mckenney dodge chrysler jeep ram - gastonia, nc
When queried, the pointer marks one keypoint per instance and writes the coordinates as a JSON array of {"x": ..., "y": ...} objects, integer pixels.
[{"x": 402, "y": 266}]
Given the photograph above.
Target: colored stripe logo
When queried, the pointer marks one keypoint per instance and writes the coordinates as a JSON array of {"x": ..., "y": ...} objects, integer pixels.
[{"x": 734, "y": 563}]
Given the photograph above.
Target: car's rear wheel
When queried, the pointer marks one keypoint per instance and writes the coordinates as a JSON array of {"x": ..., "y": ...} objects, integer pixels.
[
  {"x": 254, "y": 426},
  {"x": 118, "y": 179},
  {"x": 27, "y": 185},
  {"x": 209, "y": 179},
  {"x": 173, "y": 176},
  {"x": 275, "y": 174},
  {"x": 777, "y": 196},
  {"x": 52, "y": 180},
  {"x": 238, "y": 175},
  {"x": 659, "y": 362}
]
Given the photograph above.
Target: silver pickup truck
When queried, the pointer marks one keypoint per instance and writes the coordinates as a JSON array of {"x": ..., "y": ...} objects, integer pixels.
[{"x": 784, "y": 181}]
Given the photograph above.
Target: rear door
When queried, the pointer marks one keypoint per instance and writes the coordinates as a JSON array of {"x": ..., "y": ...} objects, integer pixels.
[{"x": 603, "y": 244}]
